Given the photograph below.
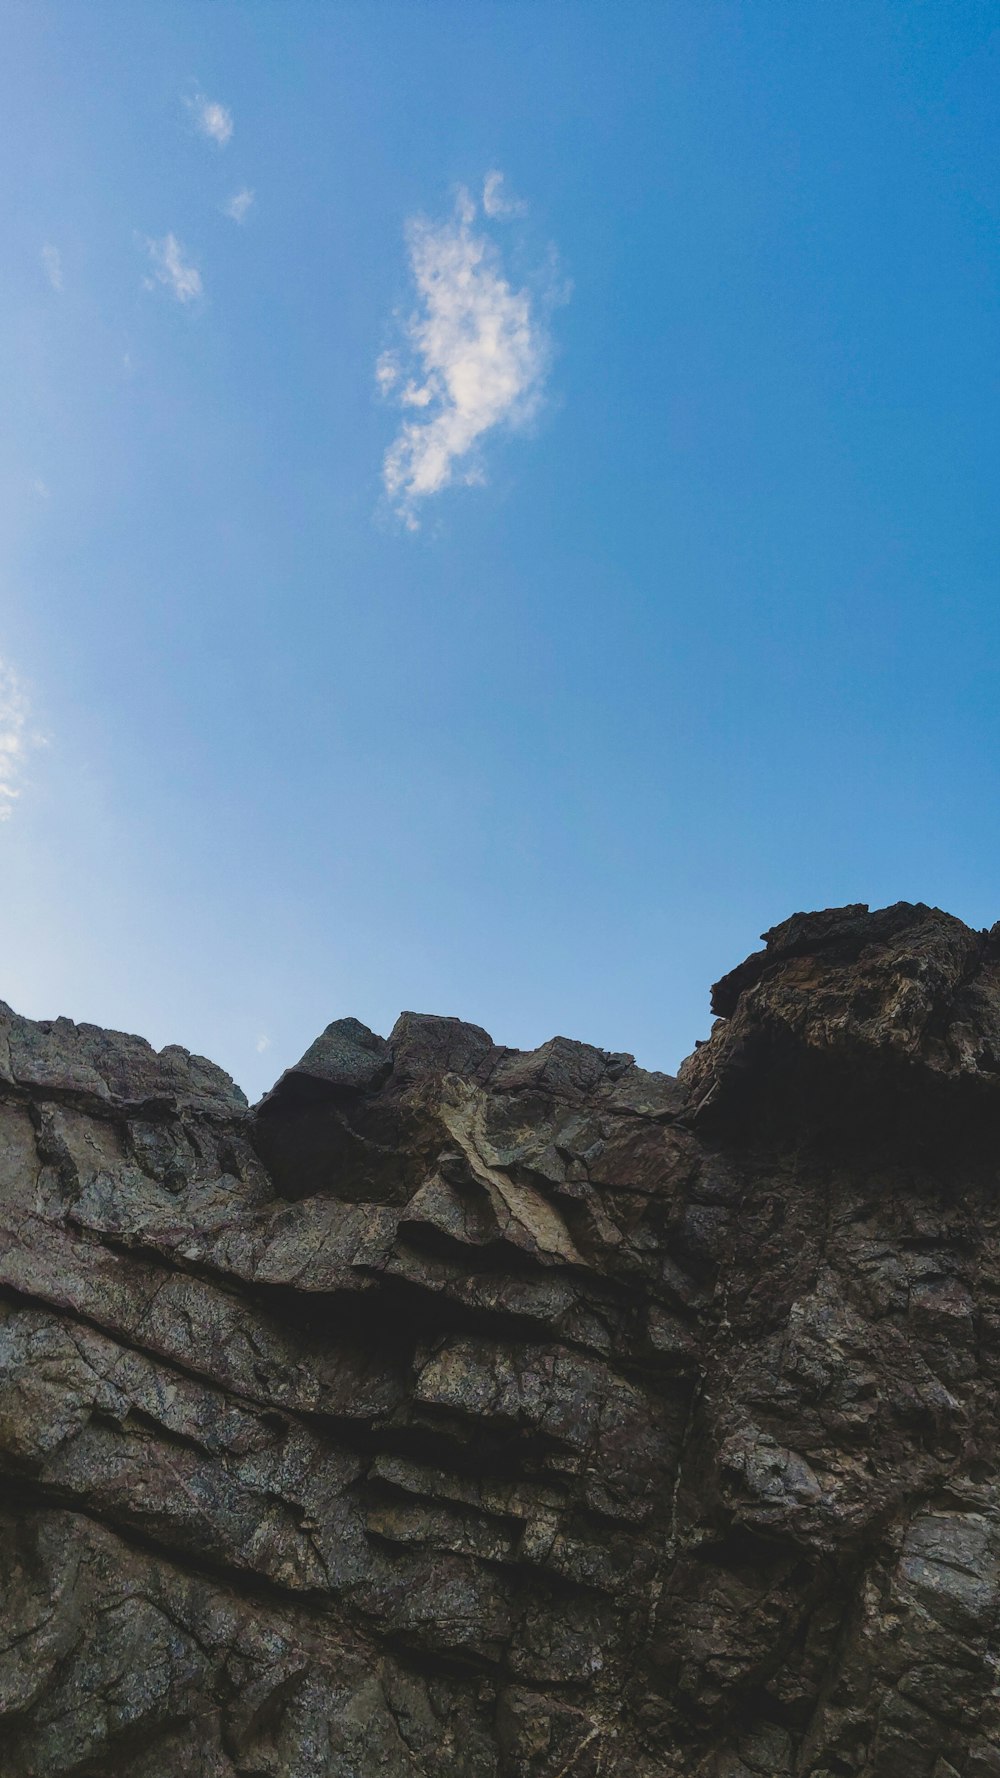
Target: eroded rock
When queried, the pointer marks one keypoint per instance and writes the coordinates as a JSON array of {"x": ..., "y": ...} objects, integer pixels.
[{"x": 500, "y": 1415}]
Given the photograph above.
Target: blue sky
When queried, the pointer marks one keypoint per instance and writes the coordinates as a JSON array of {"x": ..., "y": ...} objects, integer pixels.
[{"x": 651, "y": 597}]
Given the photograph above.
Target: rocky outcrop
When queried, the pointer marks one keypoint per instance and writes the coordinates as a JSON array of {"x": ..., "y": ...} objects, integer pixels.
[{"x": 481, "y": 1414}]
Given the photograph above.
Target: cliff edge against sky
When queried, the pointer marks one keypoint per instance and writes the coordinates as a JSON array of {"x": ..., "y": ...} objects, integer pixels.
[{"x": 479, "y": 1414}]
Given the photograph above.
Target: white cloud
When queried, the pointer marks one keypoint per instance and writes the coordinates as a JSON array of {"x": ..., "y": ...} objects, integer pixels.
[
  {"x": 170, "y": 268},
  {"x": 387, "y": 372},
  {"x": 239, "y": 206},
  {"x": 14, "y": 738},
  {"x": 495, "y": 200},
  {"x": 477, "y": 351},
  {"x": 52, "y": 261},
  {"x": 211, "y": 118}
]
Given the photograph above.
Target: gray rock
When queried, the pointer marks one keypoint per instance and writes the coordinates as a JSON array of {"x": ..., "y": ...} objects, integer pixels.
[{"x": 491, "y": 1415}]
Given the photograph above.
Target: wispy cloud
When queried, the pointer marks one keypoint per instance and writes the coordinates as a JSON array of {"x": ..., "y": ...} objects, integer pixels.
[
  {"x": 52, "y": 261},
  {"x": 387, "y": 372},
  {"x": 497, "y": 201},
  {"x": 239, "y": 206},
  {"x": 14, "y": 738},
  {"x": 213, "y": 120},
  {"x": 473, "y": 358},
  {"x": 171, "y": 269}
]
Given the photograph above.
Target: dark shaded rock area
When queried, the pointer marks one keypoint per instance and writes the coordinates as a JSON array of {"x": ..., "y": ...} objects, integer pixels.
[{"x": 477, "y": 1414}]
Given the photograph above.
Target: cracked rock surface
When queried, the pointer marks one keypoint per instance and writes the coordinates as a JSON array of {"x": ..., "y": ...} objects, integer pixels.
[{"x": 473, "y": 1413}]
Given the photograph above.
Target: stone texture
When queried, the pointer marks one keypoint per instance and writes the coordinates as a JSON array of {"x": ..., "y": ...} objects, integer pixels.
[{"x": 494, "y": 1415}]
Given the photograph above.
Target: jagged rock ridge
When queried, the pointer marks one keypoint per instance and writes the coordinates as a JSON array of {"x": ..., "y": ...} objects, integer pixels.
[{"x": 497, "y": 1415}]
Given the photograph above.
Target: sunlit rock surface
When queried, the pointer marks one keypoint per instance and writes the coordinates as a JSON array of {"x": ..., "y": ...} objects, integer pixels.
[{"x": 480, "y": 1414}]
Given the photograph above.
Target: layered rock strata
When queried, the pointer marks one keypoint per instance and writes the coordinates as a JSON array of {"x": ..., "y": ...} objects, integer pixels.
[{"x": 465, "y": 1412}]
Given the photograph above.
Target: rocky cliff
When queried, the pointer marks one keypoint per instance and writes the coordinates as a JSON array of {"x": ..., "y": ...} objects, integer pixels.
[{"x": 476, "y": 1414}]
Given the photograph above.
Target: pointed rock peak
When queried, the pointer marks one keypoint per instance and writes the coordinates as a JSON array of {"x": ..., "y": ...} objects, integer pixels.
[{"x": 346, "y": 1057}]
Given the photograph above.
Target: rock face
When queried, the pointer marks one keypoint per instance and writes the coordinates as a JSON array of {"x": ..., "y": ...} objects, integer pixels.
[{"x": 477, "y": 1414}]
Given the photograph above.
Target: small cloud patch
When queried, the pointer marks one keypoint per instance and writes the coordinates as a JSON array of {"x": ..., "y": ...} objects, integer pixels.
[
  {"x": 239, "y": 207},
  {"x": 172, "y": 270},
  {"x": 15, "y": 740},
  {"x": 497, "y": 201},
  {"x": 473, "y": 357},
  {"x": 212, "y": 120},
  {"x": 52, "y": 262}
]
